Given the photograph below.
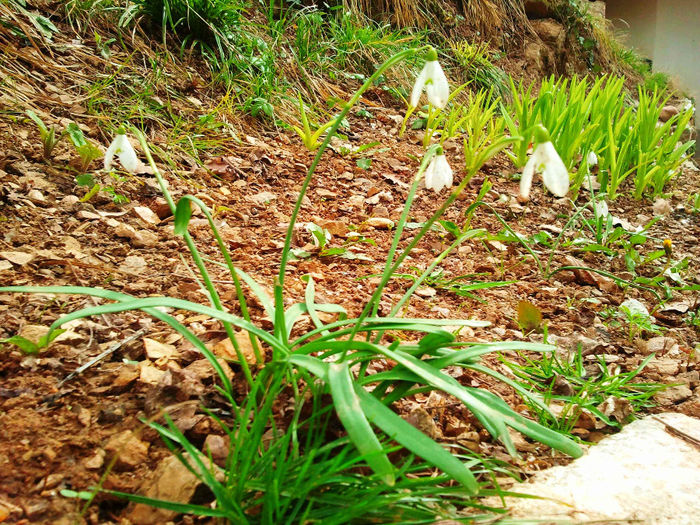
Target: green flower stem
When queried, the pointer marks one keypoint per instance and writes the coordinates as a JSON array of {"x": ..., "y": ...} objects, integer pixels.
[
  {"x": 280, "y": 330},
  {"x": 386, "y": 275},
  {"x": 406, "y": 296},
  {"x": 213, "y": 294},
  {"x": 476, "y": 165}
]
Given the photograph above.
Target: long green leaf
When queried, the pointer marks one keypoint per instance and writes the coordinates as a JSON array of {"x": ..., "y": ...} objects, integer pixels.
[
  {"x": 414, "y": 440},
  {"x": 347, "y": 406}
]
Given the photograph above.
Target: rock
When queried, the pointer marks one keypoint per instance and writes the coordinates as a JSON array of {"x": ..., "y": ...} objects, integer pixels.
[
  {"x": 665, "y": 367},
  {"x": 550, "y": 31},
  {"x": 218, "y": 447},
  {"x": 130, "y": 450},
  {"x": 423, "y": 421},
  {"x": 673, "y": 395},
  {"x": 147, "y": 214},
  {"x": 18, "y": 258},
  {"x": 662, "y": 207},
  {"x": 171, "y": 481},
  {"x": 659, "y": 346},
  {"x": 225, "y": 349},
  {"x": 667, "y": 113},
  {"x": 381, "y": 223},
  {"x": 157, "y": 350},
  {"x": 589, "y": 277},
  {"x": 643, "y": 473}
]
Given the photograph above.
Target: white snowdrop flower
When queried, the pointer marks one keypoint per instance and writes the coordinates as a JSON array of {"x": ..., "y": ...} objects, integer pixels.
[
  {"x": 432, "y": 78},
  {"x": 122, "y": 148},
  {"x": 545, "y": 160},
  {"x": 601, "y": 208},
  {"x": 592, "y": 159},
  {"x": 438, "y": 174}
]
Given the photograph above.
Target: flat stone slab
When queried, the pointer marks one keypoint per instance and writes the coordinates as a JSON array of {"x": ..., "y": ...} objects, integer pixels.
[{"x": 647, "y": 474}]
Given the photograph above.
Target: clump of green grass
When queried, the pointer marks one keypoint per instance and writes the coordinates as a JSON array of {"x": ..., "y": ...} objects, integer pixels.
[{"x": 477, "y": 61}]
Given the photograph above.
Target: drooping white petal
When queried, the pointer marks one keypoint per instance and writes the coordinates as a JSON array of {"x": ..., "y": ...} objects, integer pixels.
[
  {"x": 592, "y": 159},
  {"x": 601, "y": 209},
  {"x": 554, "y": 173},
  {"x": 445, "y": 170},
  {"x": 109, "y": 155},
  {"x": 438, "y": 89},
  {"x": 526, "y": 179},
  {"x": 430, "y": 174},
  {"x": 438, "y": 175},
  {"x": 121, "y": 147},
  {"x": 419, "y": 85}
]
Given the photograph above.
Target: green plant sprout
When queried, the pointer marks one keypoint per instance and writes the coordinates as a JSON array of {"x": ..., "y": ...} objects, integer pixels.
[
  {"x": 310, "y": 138},
  {"x": 87, "y": 150},
  {"x": 49, "y": 138}
]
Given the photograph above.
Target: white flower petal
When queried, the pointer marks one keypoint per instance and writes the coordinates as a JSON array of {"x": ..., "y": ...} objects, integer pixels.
[
  {"x": 419, "y": 85},
  {"x": 439, "y": 89},
  {"x": 601, "y": 209},
  {"x": 109, "y": 155},
  {"x": 438, "y": 175},
  {"x": 121, "y": 147},
  {"x": 526, "y": 179},
  {"x": 430, "y": 175},
  {"x": 555, "y": 175},
  {"x": 592, "y": 159}
]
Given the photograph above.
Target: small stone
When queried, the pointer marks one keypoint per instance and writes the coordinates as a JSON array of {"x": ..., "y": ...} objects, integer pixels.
[
  {"x": 668, "y": 112},
  {"x": 147, "y": 214},
  {"x": 659, "y": 346},
  {"x": 156, "y": 350},
  {"x": 18, "y": 258},
  {"x": 380, "y": 223},
  {"x": 662, "y": 207},
  {"x": 218, "y": 447},
  {"x": 673, "y": 395},
  {"x": 665, "y": 367},
  {"x": 171, "y": 481},
  {"x": 225, "y": 349},
  {"x": 96, "y": 461},
  {"x": 130, "y": 451}
]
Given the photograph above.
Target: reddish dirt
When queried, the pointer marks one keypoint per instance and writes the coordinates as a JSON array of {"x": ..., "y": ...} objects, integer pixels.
[{"x": 58, "y": 437}]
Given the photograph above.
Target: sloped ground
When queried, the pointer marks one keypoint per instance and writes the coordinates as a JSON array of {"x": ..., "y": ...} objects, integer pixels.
[{"x": 57, "y": 437}]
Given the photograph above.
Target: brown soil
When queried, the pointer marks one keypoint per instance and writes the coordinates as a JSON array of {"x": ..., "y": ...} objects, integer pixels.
[{"x": 63, "y": 437}]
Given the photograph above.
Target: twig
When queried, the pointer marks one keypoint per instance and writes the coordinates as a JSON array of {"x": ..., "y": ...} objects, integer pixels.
[
  {"x": 678, "y": 433},
  {"x": 104, "y": 354}
]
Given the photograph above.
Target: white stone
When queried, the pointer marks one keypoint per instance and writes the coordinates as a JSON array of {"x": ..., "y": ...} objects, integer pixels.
[{"x": 643, "y": 473}]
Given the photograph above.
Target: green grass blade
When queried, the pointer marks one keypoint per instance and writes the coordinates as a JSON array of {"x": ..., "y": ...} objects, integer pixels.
[
  {"x": 347, "y": 406},
  {"x": 414, "y": 440}
]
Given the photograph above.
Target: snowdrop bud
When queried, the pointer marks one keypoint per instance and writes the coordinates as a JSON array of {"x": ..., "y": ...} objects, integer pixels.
[
  {"x": 438, "y": 174},
  {"x": 592, "y": 159},
  {"x": 431, "y": 78},
  {"x": 122, "y": 148}
]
